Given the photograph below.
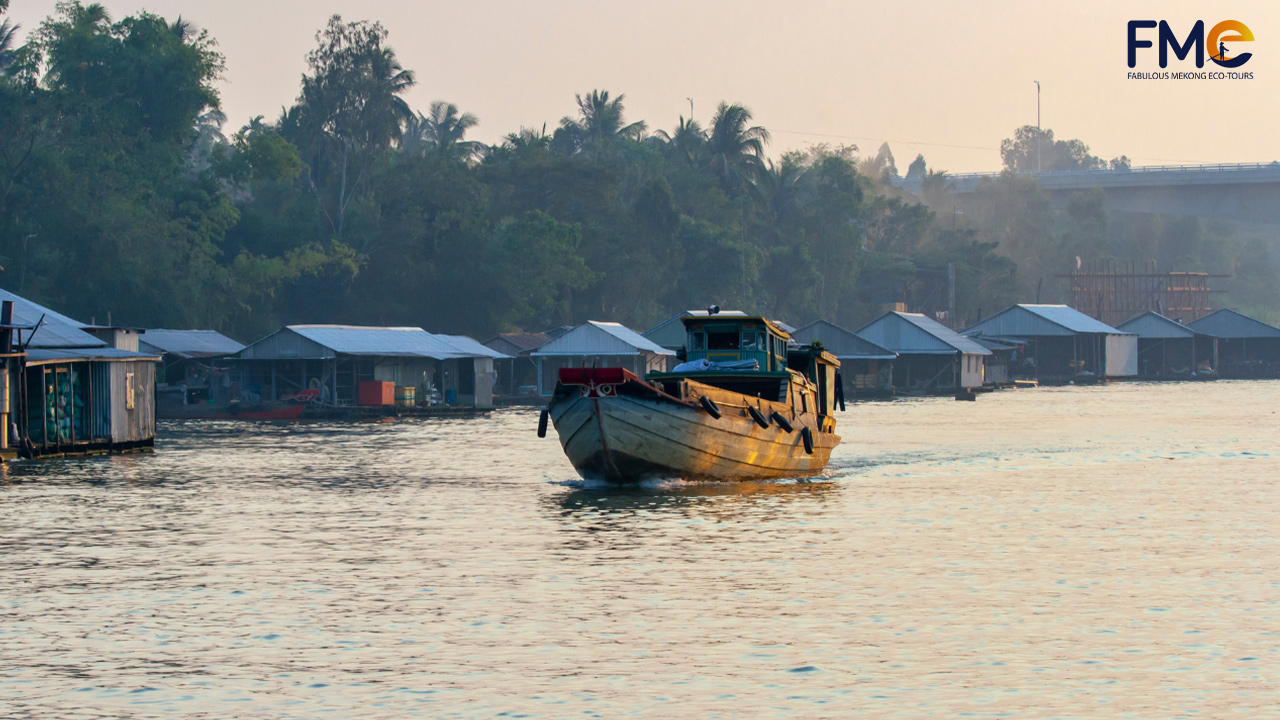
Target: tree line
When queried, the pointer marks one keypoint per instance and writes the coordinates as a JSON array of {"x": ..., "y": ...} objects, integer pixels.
[{"x": 120, "y": 192}]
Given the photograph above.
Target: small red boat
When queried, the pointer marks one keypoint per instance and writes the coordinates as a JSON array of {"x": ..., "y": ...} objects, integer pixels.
[
  {"x": 170, "y": 406},
  {"x": 287, "y": 412}
]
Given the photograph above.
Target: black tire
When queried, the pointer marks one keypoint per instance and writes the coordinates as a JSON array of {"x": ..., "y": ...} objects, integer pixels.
[
  {"x": 783, "y": 423},
  {"x": 710, "y": 406},
  {"x": 542, "y": 423},
  {"x": 807, "y": 436},
  {"x": 756, "y": 415}
]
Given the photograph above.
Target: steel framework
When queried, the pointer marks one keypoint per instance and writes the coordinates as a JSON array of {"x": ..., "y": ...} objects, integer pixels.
[{"x": 1114, "y": 292}]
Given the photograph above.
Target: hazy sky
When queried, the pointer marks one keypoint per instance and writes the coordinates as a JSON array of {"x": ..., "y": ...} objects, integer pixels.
[{"x": 946, "y": 79}]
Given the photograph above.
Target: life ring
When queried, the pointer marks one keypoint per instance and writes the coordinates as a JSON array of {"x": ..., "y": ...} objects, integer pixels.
[
  {"x": 542, "y": 423},
  {"x": 756, "y": 415},
  {"x": 807, "y": 436},
  {"x": 783, "y": 423},
  {"x": 710, "y": 406}
]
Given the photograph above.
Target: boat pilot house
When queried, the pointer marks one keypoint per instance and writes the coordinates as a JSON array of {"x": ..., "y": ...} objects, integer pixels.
[{"x": 753, "y": 356}]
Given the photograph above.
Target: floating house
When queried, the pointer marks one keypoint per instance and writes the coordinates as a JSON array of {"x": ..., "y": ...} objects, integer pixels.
[
  {"x": 865, "y": 367},
  {"x": 1006, "y": 356},
  {"x": 1169, "y": 350},
  {"x": 1247, "y": 348},
  {"x": 932, "y": 358},
  {"x": 598, "y": 344},
  {"x": 194, "y": 368},
  {"x": 1062, "y": 344},
  {"x": 66, "y": 390},
  {"x": 518, "y": 374},
  {"x": 332, "y": 361}
]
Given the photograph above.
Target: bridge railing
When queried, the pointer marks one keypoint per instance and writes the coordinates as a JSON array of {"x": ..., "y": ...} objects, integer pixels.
[{"x": 1217, "y": 167}]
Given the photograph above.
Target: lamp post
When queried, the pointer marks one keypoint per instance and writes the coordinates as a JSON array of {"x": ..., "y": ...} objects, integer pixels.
[
  {"x": 1037, "y": 82},
  {"x": 690, "y": 108}
]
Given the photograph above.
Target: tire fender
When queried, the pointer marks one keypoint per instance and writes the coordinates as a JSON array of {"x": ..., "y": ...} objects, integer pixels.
[{"x": 710, "y": 406}]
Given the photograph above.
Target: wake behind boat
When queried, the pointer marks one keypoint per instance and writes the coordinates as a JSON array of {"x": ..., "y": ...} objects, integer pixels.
[{"x": 744, "y": 406}]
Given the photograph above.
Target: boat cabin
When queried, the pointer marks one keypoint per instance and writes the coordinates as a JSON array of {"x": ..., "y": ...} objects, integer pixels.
[
  {"x": 801, "y": 375},
  {"x": 737, "y": 338}
]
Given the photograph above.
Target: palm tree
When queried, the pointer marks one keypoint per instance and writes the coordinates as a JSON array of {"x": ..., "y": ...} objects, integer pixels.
[
  {"x": 383, "y": 113},
  {"x": 935, "y": 187},
  {"x": 442, "y": 129},
  {"x": 686, "y": 141},
  {"x": 182, "y": 28},
  {"x": 8, "y": 40},
  {"x": 735, "y": 150},
  {"x": 781, "y": 196},
  {"x": 599, "y": 122}
]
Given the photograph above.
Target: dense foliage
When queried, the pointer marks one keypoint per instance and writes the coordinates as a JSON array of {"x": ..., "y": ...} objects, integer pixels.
[{"x": 119, "y": 193}]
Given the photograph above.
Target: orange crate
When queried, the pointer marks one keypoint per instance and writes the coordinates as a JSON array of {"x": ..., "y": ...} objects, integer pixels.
[{"x": 377, "y": 394}]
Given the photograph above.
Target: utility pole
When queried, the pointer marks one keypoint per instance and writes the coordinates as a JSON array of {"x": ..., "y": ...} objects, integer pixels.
[{"x": 1037, "y": 82}]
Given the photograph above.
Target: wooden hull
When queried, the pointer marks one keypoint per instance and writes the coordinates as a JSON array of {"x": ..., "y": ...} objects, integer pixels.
[
  {"x": 224, "y": 412},
  {"x": 630, "y": 438}
]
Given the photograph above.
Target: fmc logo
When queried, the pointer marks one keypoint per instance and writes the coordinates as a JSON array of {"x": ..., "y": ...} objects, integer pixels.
[{"x": 1227, "y": 31}]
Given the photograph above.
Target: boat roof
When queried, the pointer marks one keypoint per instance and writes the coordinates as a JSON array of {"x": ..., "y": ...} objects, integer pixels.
[{"x": 738, "y": 318}]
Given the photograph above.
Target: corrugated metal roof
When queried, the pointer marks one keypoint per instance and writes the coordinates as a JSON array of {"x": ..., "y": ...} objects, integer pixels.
[
  {"x": 517, "y": 342},
  {"x": 58, "y": 330},
  {"x": 472, "y": 347},
  {"x": 189, "y": 343},
  {"x": 1025, "y": 320},
  {"x": 359, "y": 340},
  {"x": 601, "y": 338},
  {"x": 994, "y": 344},
  {"x": 840, "y": 342},
  {"x": 1154, "y": 326},
  {"x": 913, "y": 333},
  {"x": 916, "y": 334},
  {"x": 37, "y": 357},
  {"x": 1233, "y": 325}
]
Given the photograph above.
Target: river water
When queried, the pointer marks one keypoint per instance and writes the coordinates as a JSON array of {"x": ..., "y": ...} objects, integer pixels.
[{"x": 1050, "y": 553}]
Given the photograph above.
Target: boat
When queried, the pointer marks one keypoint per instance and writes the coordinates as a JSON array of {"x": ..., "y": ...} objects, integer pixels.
[
  {"x": 172, "y": 404},
  {"x": 745, "y": 405}
]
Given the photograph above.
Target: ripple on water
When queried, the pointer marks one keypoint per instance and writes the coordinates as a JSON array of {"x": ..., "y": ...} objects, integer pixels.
[{"x": 1034, "y": 554}]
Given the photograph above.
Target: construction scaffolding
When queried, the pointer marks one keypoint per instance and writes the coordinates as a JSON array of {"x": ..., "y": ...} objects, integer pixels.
[{"x": 1114, "y": 292}]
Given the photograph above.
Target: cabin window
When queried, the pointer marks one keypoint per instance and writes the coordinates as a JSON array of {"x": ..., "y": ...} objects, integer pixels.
[
  {"x": 804, "y": 403},
  {"x": 130, "y": 388},
  {"x": 698, "y": 341},
  {"x": 722, "y": 340}
]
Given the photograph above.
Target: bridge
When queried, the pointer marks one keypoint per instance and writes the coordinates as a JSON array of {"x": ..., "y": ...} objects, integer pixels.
[{"x": 1246, "y": 192}]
